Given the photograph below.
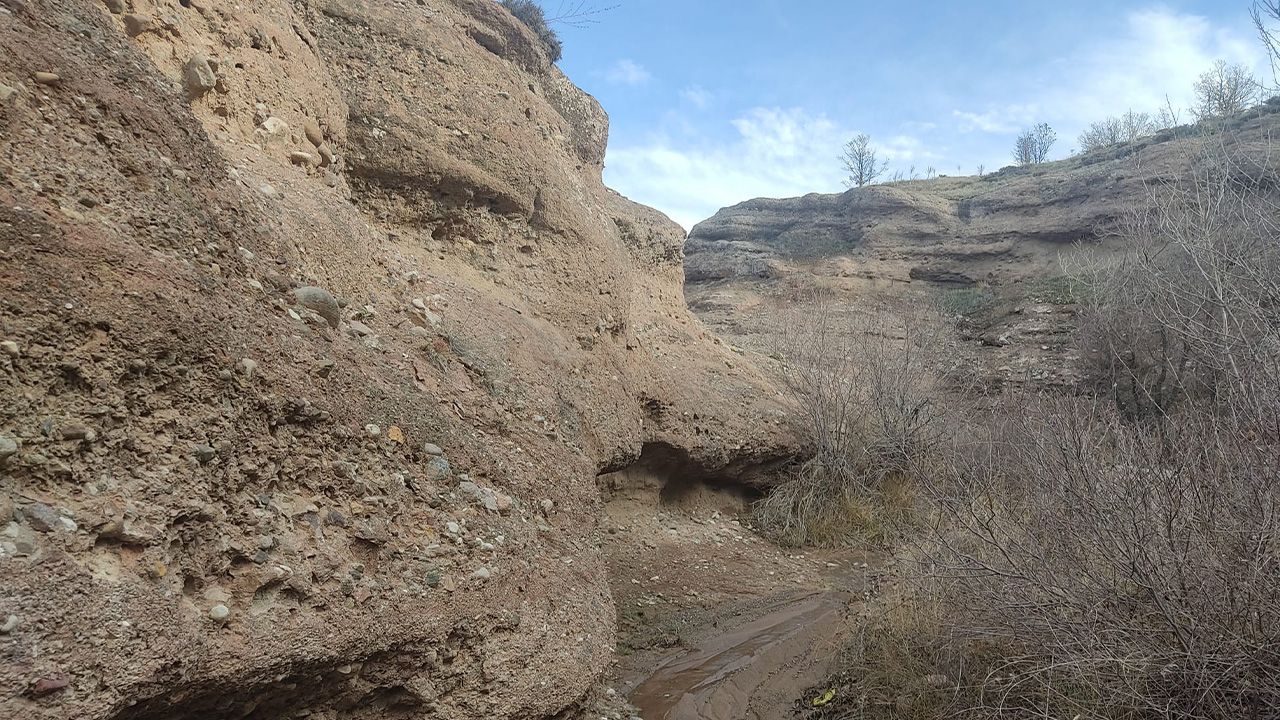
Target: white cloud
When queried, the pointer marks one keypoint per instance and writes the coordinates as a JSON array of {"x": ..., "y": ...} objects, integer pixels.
[
  {"x": 775, "y": 153},
  {"x": 1159, "y": 52},
  {"x": 999, "y": 120},
  {"x": 697, "y": 96},
  {"x": 629, "y": 73}
]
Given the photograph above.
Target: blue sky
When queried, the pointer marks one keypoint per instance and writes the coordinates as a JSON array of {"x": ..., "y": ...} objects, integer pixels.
[{"x": 715, "y": 102}]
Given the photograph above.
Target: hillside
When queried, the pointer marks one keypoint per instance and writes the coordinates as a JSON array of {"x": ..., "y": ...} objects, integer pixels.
[
  {"x": 318, "y": 328},
  {"x": 993, "y": 251}
]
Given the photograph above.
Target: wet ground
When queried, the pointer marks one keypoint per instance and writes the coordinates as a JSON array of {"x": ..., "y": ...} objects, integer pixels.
[{"x": 715, "y": 623}]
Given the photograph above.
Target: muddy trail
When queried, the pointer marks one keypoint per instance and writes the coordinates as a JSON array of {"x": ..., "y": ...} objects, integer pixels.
[{"x": 716, "y": 623}]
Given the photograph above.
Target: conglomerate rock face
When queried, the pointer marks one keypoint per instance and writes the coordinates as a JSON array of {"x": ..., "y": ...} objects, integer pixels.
[{"x": 317, "y": 327}]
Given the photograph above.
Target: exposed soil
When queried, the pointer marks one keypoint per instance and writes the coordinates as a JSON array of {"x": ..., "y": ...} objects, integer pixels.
[{"x": 714, "y": 620}]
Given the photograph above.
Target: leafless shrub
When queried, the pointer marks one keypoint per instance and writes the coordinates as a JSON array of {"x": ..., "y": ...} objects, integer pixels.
[
  {"x": 867, "y": 398},
  {"x": 1115, "y": 130},
  {"x": 1033, "y": 145},
  {"x": 1118, "y": 556},
  {"x": 1124, "y": 570},
  {"x": 1192, "y": 310}
]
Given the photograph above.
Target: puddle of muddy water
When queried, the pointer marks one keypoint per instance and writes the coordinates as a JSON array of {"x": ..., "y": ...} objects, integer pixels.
[{"x": 753, "y": 672}]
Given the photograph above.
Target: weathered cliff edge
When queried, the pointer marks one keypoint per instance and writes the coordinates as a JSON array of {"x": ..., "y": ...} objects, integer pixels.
[{"x": 224, "y": 493}]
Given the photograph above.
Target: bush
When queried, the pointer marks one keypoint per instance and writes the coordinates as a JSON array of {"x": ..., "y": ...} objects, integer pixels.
[
  {"x": 532, "y": 15},
  {"x": 867, "y": 399}
]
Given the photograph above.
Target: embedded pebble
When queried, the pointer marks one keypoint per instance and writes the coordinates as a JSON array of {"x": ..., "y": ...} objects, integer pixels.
[
  {"x": 372, "y": 430},
  {"x": 219, "y": 612},
  {"x": 115, "y": 6},
  {"x": 42, "y": 517},
  {"x": 8, "y": 446},
  {"x": 10, "y": 348},
  {"x": 79, "y": 432},
  {"x": 482, "y": 574},
  {"x": 432, "y": 449},
  {"x": 247, "y": 367},
  {"x": 438, "y": 469},
  {"x": 313, "y": 133},
  {"x": 135, "y": 25},
  {"x": 10, "y": 624},
  {"x": 320, "y": 301},
  {"x": 46, "y": 78},
  {"x": 204, "y": 453}
]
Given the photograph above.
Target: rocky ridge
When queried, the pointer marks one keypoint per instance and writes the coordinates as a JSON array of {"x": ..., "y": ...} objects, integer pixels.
[{"x": 995, "y": 252}]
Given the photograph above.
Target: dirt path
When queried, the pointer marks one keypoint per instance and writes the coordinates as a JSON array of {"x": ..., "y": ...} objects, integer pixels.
[
  {"x": 715, "y": 623},
  {"x": 755, "y": 671}
]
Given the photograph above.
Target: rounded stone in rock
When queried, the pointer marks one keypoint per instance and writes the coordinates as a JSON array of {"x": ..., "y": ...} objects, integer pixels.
[
  {"x": 219, "y": 612},
  {"x": 42, "y": 517},
  {"x": 372, "y": 430},
  {"x": 8, "y": 446},
  {"x": 115, "y": 6},
  {"x": 313, "y": 133},
  {"x": 46, "y": 78},
  {"x": 79, "y": 432},
  {"x": 320, "y": 301},
  {"x": 10, "y": 348},
  {"x": 432, "y": 449},
  {"x": 482, "y": 574},
  {"x": 135, "y": 25},
  {"x": 204, "y": 454},
  {"x": 247, "y": 367},
  {"x": 10, "y": 624}
]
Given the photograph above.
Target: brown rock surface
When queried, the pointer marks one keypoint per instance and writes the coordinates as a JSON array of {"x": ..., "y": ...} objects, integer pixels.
[{"x": 495, "y": 300}]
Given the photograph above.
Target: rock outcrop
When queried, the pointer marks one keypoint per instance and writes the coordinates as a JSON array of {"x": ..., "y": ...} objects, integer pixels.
[
  {"x": 318, "y": 327},
  {"x": 1007, "y": 241},
  {"x": 1008, "y": 224}
]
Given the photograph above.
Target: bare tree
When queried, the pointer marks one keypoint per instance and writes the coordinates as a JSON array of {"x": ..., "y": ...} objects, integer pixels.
[
  {"x": 1033, "y": 145},
  {"x": 1115, "y": 130},
  {"x": 1265, "y": 14},
  {"x": 982, "y": 170},
  {"x": 1223, "y": 90},
  {"x": 860, "y": 161},
  {"x": 578, "y": 14}
]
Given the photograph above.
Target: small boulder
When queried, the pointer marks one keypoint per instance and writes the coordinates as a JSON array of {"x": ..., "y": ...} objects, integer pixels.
[
  {"x": 199, "y": 76},
  {"x": 42, "y": 517},
  {"x": 313, "y": 133},
  {"x": 135, "y": 25},
  {"x": 320, "y": 301}
]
